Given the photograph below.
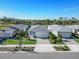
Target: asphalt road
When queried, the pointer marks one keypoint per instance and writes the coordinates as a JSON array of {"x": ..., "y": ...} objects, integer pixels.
[{"x": 54, "y": 55}]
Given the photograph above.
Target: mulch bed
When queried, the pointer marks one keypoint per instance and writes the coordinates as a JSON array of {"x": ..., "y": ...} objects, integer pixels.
[{"x": 61, "y": 48}]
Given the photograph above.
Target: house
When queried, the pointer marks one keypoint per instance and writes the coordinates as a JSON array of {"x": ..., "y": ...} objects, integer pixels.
[
  {"x": 38, "y": 31},
  {"x": 20, "y": 27},
  {"x": 7, "y": 33},
  {"x": 65, "y": 32},
  {"x": 1, "y": 35},
  {"x": 54, "y": 29},
  {"x": 74, "y": 28}
]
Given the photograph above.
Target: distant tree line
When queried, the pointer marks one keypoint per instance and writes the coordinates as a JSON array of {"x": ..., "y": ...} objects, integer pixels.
[{"x": 59, "y": 21}]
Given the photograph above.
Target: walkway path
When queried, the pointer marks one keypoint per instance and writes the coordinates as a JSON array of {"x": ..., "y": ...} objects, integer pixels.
[{"x": 43, "y": 45}]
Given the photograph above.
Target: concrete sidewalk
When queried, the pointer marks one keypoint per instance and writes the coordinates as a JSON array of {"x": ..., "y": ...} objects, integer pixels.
[{"x": 44, "y": 48}]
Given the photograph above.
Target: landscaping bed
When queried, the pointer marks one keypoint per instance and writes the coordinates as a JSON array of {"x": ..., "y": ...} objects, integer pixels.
[
  {"x": 62, "y": 48},
  {"x": 17, "y": 49},
  {"x": 55, "y": 40}
]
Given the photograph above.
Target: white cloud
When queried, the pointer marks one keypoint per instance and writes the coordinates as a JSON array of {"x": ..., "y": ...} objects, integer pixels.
[
  {"x": 5, "y": 13},
  {"x": 11, "y": 14},
  {"x": 1, "y": 13},
  {"x": 68, "y": 9},
  {"x": 21, "y": 15}
]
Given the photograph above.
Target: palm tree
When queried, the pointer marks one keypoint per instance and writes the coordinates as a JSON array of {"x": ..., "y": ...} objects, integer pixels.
[
  {"x": 52, "y": 37},
  {"x": 19, "y": 40},
  {"x": 59, "y": 38}
]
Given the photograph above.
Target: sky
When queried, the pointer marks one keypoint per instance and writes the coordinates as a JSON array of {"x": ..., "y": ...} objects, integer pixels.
[{"x": 39, "y": 9}]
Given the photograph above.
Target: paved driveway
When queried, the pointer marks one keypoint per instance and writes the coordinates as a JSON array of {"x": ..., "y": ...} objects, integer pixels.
[
  {"x": 71, "y": 41},
  {"x": 73, "y": 45},
  {"x": 43, "y": 45},
  {"x": 74, "y": 48},
  {"x": 42, "y": 41}
]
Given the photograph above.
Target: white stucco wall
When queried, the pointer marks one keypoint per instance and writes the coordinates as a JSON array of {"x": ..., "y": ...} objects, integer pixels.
[
  {"x": 38, "y": 34},
  {"x": 66, "y": 34},
  {"x": 41, "y": 35}
]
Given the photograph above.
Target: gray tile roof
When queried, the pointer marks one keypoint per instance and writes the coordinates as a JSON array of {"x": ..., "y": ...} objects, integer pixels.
[
  {"x": 6, "y": 33},
  {"x": 73, "y": 27},
  {"x": 54, "y": 27},
  {"x": 20, "y": 26},
  {"x": 59, "y": 28},
  {"x": 64, "y": 29},
  {"x": 39, "y": 28},
  {"x": 39, "y": 31}
]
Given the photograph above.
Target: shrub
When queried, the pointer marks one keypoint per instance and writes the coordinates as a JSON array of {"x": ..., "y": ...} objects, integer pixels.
[
  {"x": 66, "y": 48},
  {"x": 59, "y": 39},
  {"x": 52, "y": 36},
  {"x": 76, "y": 36},
  {"x": 15, "y": 49}
]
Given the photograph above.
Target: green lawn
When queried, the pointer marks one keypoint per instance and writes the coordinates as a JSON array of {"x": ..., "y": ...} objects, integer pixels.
[
  {"x": 2, "y": 27},
  {"x": 76, "y": 39},
  {"x": 29, "y": 42},
  {"x": 10, "y": 41},
  {"x": 25, "y": 41}
]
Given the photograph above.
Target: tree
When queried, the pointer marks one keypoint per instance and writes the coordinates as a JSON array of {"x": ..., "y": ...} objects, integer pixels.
[
  {"x": 60, "y": 21},
  {"x": 73, "y": 18},
  {"x": 26, "y": 33},
  {"x": 22, "y": 33},
  {"x": 47, "y": 21},
  {"x": 60, "y": 18},
  {"x": 65, "y": 18},
  {"x": 59, "y": 38},
  {"x": 52, "y": 38},
  {"x": 20, "y": 40}
]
